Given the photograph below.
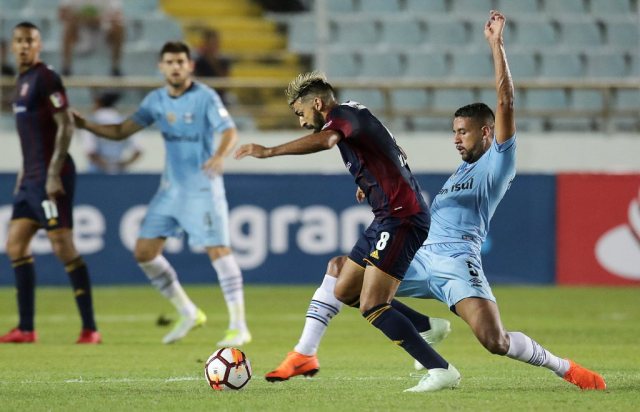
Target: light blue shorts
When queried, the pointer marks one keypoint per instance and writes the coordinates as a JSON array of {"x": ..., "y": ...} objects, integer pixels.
[
  {"x": 204, "y": 216},
  {"x": 445, "y": 273}
]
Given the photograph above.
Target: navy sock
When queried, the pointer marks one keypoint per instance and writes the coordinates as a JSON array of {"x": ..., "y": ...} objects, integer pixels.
[
  {"x": 79, "y": 276},
  {"x": 26, "y": 291},
  {"x": 401, "y": 331},
  {"x": 420, "y": 321}
]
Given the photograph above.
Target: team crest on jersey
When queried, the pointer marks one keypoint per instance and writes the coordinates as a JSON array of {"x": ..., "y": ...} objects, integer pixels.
[
  {"x": 375, "y": 254},
  {"x": 171, "y": 117},
  {"x": 57, "y": 100},
  {"x": 188, "y": 118},
  {"x": 327, "y": 124},
  {"x": 24, "y": 89}
]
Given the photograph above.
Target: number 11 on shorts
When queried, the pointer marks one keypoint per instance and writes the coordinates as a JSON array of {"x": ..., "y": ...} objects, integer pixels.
[{"x": 50, "y": 209}]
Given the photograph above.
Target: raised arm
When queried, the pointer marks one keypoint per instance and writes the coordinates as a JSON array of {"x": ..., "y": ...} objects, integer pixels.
[
  {"x": 505, "y": 117},
  {"x": 312, "y": 143},
  {"x": 118, "y": 131},
  {"x": 64, "y": 123}
]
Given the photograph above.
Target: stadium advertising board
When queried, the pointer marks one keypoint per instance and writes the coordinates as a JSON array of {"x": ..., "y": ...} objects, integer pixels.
[
  {"x": 284, "y": 228},
  {"x": 598, "y": 229}
]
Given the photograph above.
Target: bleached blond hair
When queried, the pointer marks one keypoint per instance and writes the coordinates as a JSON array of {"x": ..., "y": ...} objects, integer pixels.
[{"x": 314, "y": 82}]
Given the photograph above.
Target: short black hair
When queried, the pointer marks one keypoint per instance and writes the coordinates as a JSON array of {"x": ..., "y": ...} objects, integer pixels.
[
  {"x": 26, "y": 25},
  {"x": 175, "y": 47},
  {"x": 479, "y": 111}
]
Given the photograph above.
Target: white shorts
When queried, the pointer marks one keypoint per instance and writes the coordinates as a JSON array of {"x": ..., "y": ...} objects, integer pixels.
[
  {"x": 445, "y": 273},
  {"x": 204, "y": 216}
]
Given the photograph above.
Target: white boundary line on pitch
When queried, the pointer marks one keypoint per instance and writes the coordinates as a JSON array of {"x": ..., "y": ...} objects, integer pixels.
[{"x": 82, "y": 380}]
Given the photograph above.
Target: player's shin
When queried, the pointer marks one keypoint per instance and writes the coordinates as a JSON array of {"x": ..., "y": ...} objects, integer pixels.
[
  {"x": 164, "y": 278},
  {"x": 323, "y": 307},
  {"x": 419, "y": 321},
  {"x": 230, "y": 279},
  {"x": 79, "y": 276},
  {"x": 525, "y": 349},
  {"x": 25, "y": 287},
  {"x": 401, "y": 331}
]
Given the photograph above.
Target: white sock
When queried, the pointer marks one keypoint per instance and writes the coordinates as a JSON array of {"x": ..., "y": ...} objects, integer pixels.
[
  {"x": 323, "y": 307},
  {"x": 164, "y": 278},
  {"x": 525, "y": 349},
  {"x": 230, "y": 279}
]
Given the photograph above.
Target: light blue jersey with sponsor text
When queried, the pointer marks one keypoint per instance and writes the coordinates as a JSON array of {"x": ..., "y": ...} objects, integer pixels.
[
  {"x": 187, "y": 123},
  {"x": 463, "y": 208}
]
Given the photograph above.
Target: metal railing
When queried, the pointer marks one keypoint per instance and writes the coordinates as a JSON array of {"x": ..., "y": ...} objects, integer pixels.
[{"x": 251, "y": 101}]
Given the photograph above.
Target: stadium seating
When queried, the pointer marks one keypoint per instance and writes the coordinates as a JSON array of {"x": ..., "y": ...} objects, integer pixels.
[
  {"x": 518, "y": 7},
  {"x": 372, "y": 99},
  {"x": 472, "y": 6},
  {"x": 380, "y": 6},
  {"x": 430, "y": 7},
  {"x": 403, "y": 32},
  {"x": 606, "y": 64},
  {"x": 351, "y": 32},
  {"x": 409, "y": 99},
  {"x": 340, "y": 6},
  {"x": 624, "y": 33},
  {"x": 343, "y": 64},
  {"x": 472, "y": 65},
  {"x": 427, "y": 65},
  {"x": 581, "y": 33},
  {"x": 449, "y": 32},
  {"x": 381, "y": 64},
  {"x": 561, "y": 65},
  {"x": 450, "y": 100},
  {"x": 572, "y": 7},
  {"x": 611, "y": 7}
]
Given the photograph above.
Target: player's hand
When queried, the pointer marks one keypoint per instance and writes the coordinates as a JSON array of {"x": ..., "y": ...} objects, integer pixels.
[
  {"x": 360, "y": 196},
  {"x": 54, "y": 187},
  {"x": 79, "y": 121},
  {"x": 214, "y": 165},
  {"x": 253, "y": 150},
  {"x": 495, "y": 25}
]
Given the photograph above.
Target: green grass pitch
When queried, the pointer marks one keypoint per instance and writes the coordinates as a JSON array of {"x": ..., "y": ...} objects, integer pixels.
[{"x": 360, "y": 370}]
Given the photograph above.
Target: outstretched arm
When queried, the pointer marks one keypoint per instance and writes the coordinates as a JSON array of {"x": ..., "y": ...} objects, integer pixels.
[
  {"x": 118, "y": 131},
  {"x": 312, "y": 143},
  {"x": 505, "y": 117}
]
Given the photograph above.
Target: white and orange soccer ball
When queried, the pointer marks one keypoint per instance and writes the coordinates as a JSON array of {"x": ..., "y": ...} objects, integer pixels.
[{"x": 227, "y": 368}]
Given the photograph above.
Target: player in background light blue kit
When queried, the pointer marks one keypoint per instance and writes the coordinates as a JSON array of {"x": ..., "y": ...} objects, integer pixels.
[
  {"x": 191, "y": 196},
  {"x": 448, "y": 266}
]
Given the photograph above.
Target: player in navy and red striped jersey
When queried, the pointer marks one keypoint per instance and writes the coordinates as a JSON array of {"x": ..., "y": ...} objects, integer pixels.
[
  {"x": 377, "y": 263},
  {"x": 45, "y": 185}
]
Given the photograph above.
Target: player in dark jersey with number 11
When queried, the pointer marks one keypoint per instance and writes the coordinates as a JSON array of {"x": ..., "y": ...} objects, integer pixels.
[
  {"x": 378, "y": 261},
  {"x": 45, "y": 186}
]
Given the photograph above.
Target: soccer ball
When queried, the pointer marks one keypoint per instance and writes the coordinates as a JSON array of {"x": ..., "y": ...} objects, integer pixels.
[{"x": 227, "y": 368}]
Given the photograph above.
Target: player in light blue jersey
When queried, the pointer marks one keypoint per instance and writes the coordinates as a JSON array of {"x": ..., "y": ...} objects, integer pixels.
[
  {"x": 448, "y": 266},
  {"x": 191, "y": 196}
]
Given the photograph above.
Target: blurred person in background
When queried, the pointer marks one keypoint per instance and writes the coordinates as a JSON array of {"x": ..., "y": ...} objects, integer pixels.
[
  {"x": 7, "y": 70},
  {"x": 191, "y": 197},
  {"x": 209, "y": 62},
  {"x": 43, "y": 197},
  {"x": 83, "y": 22},
  {"x": 108, "y": 156}
]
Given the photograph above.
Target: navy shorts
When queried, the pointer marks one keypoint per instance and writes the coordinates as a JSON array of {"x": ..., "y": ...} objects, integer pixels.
[
  {"x": 32, "y": 202},
  {"x": 390, "y": 244}
]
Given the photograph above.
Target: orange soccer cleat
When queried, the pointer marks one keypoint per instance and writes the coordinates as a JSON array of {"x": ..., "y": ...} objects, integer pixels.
[
  {"x": 293, "y": 365},
  {"x": 88, "y": 336},
  {"x": 584, "y": 378},
  {"x": 16, "y": 335}
]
